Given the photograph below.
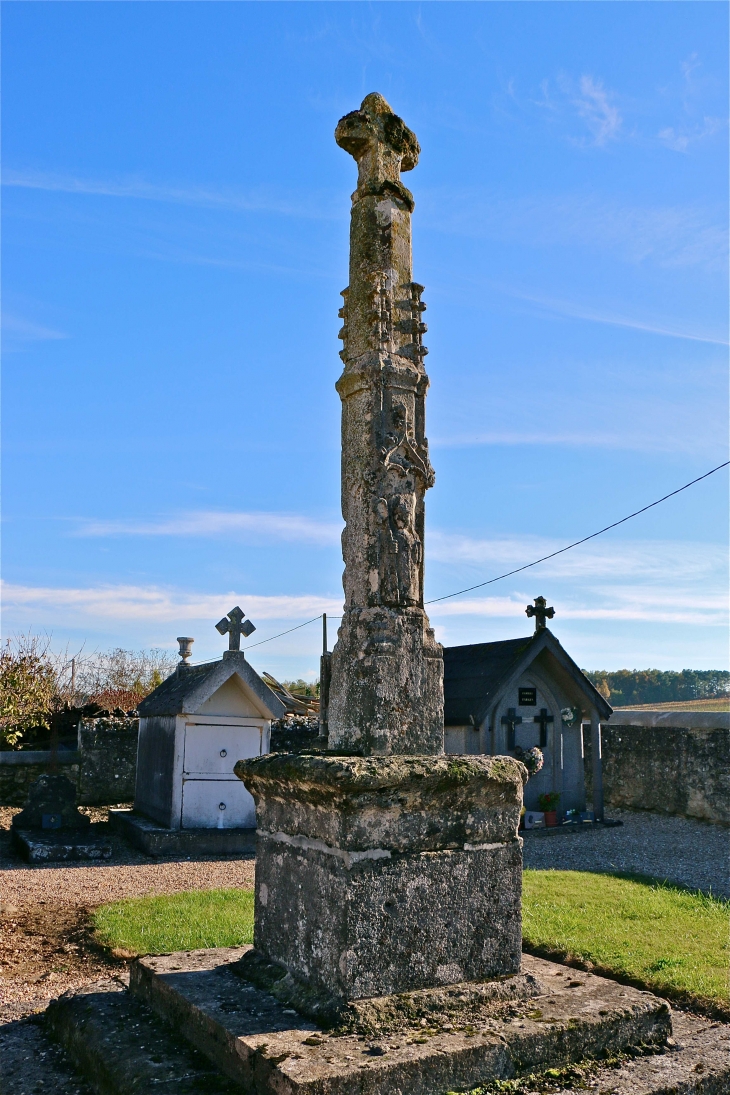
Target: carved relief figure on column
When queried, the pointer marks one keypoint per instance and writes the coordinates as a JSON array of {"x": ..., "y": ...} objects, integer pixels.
[{"x": 386, "y": 693}]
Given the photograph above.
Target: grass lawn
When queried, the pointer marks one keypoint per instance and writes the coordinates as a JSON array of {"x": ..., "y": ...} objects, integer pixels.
[
  {"x": 657, "y": 936},
  {"x": 177, "y": 922}
]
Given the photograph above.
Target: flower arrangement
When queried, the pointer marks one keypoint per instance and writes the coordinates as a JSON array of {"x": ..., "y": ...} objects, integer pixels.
[
  {"x": 549, "y": 801},
  {"x": 532, "y": 759}
]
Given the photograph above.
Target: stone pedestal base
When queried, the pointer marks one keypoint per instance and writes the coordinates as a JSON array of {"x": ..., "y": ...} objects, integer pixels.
[
  {"x": 380, "y": 875},
  {"x": 423, "y": 1043},
  {"x": 61, "y": 845},
  {"x": 156, "y": 840}
]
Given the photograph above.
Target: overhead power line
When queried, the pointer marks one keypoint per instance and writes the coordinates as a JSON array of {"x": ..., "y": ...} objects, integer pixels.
[
  {"x": 518, "y": 570},
  {"x": 585, "y": 539}
]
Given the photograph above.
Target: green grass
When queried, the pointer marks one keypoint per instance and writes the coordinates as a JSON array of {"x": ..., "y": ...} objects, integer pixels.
[
  {"x": 659, "y": 936},
  {"x": 177, "y": 922},
  {"x": 654, "y": 935}
]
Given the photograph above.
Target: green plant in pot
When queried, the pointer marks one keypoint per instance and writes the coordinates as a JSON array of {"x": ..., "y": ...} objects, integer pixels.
[{"x": 549, "y": 805}]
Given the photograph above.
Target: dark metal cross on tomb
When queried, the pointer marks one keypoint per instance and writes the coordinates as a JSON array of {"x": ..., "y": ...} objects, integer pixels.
[
  {"x": 235, "y": 625},
  {"x": 543, "y": 719},
  {"x": 511, "y": 720},
  {"x": 541, "y": 612}
]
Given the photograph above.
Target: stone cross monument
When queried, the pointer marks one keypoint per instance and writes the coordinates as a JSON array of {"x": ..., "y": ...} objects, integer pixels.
[
  {"x": 388, "y": 875},
  {"x": 386, "y": 691},
  {"x": 382, "y": 865}
]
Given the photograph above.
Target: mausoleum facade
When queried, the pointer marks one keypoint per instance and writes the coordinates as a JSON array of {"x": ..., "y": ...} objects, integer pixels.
[{"x": 503, "y": 698}]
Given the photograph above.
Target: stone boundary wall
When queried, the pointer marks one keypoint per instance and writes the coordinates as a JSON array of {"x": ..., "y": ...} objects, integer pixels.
[
  {"x": 19, "y": 769},
  {"x": 681, "y": 770},
  {"x": 103, "y": 767},
  {"x": 108, "y": 761}
]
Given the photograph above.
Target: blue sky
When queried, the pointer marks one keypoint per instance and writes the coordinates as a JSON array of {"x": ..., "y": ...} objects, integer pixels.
[{"x": 175, "y": 234}]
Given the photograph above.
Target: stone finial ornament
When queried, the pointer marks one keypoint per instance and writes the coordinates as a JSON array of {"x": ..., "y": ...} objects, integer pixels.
[
  {"x": 186, "y": 647},
  {"x": 382, "y": 144},
  {"x": 541, "y": 612},
  {"x": 234, "y": 625}
]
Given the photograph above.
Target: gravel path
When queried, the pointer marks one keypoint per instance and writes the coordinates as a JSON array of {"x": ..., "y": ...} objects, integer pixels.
[
  {"x": 691, "y": 853},
  {"x": 46, "y": 940}
]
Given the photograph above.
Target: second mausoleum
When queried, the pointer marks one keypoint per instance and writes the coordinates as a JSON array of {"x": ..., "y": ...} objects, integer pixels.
[{"x": 510, "y": 696}]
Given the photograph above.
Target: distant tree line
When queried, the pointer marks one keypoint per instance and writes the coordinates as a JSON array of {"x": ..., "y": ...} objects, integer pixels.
[{"x": 625, "y": 687}]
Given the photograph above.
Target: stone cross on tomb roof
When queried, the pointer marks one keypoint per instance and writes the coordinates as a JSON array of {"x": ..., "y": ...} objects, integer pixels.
[
  {"x": 236, "y": 626},
  {"x": 541, "y": 612},
  {"x": 382, "y": 144}
]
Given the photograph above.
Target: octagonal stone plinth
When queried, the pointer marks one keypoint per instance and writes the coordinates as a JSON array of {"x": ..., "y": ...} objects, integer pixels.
[{"x": 378, "y": 875}]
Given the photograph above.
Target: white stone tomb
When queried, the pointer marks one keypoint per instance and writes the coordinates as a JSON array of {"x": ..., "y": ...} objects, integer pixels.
[{"x": 193, "y": 729}]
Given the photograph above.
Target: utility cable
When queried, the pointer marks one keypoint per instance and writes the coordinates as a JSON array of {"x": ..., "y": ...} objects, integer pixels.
[
  {"x": 585, "y": 539},
  {"x": 527, "y": 566}
]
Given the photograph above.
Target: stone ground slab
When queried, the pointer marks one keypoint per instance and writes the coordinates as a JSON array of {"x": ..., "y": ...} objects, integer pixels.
[
  {"x": 59, "y": 845},
  {"x": 31, "y": 1064},
  {"x": 120, "y": 1048},
  {"x": 156, "y": 840},
  {"x": 265, "y": 1047}
]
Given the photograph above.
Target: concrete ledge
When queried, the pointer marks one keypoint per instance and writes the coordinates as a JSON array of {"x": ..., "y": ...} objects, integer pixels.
[
  {"x": 39, "y": 756},
  {"x": 59, "y": 845},
  {"x": 156, "y": 840},
  {"x": 265, "y": 1046}
]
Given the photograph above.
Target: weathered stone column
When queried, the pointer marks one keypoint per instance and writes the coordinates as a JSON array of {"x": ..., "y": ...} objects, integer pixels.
[{"x": 386, "y": 692}]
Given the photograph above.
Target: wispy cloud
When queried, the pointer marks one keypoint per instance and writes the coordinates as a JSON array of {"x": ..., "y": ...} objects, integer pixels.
[
  {"x": 249, "y": 526},
  {"x": 578, "y": 310},
  {"x": 17, "y": 332},
  {"x": 628, "y": 605},
  {"x": 48, "y": 605},
  {"x": 669, "y": 236},
  {"x": 262, "y": 200},
  {"x": 661, "y": 561},
  {"x": 680, "y": 138},
  {"x": 596, "y": 107},
  {"x": 694, "y": 126},
  {"x": 108, "y": 606}
]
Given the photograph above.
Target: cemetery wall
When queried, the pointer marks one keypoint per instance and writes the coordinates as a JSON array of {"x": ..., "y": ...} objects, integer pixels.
[
  {"x": 18, "y": 769},
  {"x": 682, "y": 770},
  {"x": 108, "y": 761},
  {"x": 103, "y": 766}
]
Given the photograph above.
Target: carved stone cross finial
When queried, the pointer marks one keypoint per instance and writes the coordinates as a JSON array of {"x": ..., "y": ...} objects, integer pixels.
[
  {"x": 541, "y": 612},
  {"x": 382, "y": 144},
  {"x": 236, "y": 626}
]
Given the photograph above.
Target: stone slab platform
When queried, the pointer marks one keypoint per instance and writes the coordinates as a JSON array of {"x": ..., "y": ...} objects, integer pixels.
[
  {"x": 116, "y": 1042},
  {"x": 120, "y": 1047},
  {"x": 156, "y": 840},
  {"x": 59, "y": 845},
  {"x": 265, "y": 1047}
]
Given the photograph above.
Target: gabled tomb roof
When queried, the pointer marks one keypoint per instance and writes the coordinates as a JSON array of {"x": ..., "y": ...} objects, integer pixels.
[
  {"x": 476, "y": 675},
  {"x": 188, "y": 688}
]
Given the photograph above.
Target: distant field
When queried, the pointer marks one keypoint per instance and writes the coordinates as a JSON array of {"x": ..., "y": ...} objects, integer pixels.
[{"x": 721, "y": 704}]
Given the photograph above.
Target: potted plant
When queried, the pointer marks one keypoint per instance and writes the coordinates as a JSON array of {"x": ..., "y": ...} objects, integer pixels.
[{"x": 549, "y": 805}]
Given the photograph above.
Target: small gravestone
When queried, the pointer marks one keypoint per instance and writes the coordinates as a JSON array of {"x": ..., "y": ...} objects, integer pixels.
[{"x": 51, "y": 828}]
